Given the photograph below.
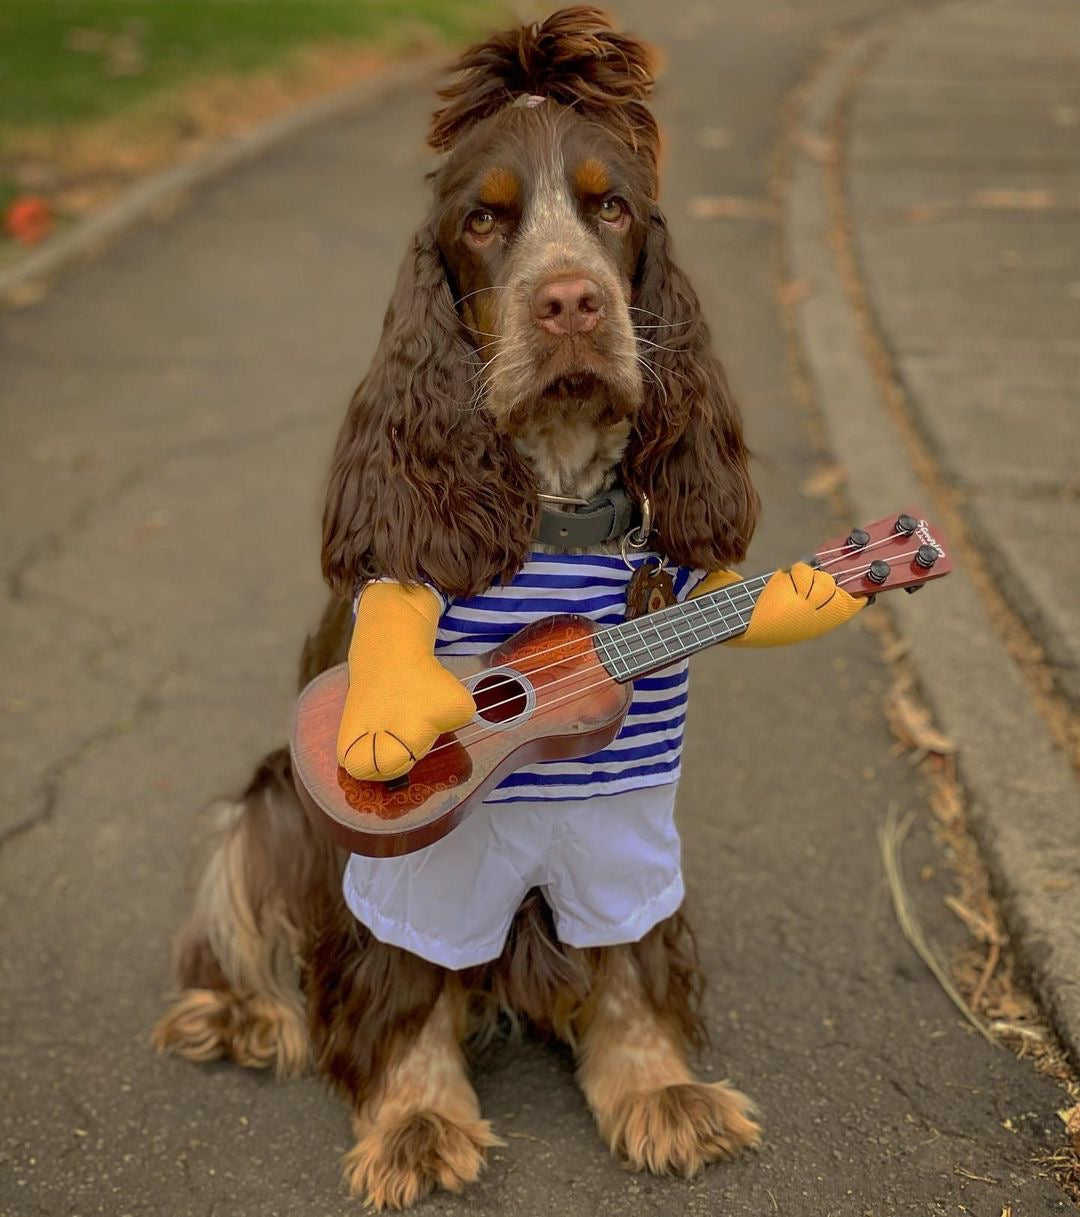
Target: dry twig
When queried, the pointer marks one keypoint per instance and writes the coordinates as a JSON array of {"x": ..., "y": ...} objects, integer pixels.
[{"x": 891, "y": 837}]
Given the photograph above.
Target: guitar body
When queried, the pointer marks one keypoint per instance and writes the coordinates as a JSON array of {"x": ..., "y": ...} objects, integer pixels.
[
  {"x": 545, "y": 695},
  {"x": 515, "y": 725}
]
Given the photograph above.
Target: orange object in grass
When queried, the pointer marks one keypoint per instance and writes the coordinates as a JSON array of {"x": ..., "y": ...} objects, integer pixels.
[{"x": 28, "y": 220}]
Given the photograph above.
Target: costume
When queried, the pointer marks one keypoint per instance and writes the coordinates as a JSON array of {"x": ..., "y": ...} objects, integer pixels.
[{"x": 597, "y": 834}]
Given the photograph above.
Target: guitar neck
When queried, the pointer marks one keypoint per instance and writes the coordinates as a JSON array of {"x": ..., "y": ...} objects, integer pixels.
[{"x": 644, "y": 644}]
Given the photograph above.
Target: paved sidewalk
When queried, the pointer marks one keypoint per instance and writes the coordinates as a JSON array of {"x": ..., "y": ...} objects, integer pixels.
[
  {"x": 167, "y": 417},
  {"x": 964, "y": 187}
]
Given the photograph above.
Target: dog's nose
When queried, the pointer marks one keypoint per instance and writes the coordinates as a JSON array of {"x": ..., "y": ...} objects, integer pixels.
[{"x": 567, "y": 306}]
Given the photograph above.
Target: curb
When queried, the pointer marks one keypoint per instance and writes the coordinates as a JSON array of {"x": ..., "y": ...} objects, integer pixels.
[
  {"x": 157, "y": 196},
  {"x": 1024, "y": 801}
]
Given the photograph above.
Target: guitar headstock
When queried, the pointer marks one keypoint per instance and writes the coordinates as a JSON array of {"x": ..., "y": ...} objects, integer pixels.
[{"x": 899, "y": 551}]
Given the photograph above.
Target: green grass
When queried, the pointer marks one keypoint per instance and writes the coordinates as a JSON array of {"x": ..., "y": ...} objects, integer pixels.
[{"x": 45, "y": 81}]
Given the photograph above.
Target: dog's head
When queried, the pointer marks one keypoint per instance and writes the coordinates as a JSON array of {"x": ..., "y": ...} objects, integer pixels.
[
  {"x": 542, "y": 209},
  {"x": 540, "y": 285}
]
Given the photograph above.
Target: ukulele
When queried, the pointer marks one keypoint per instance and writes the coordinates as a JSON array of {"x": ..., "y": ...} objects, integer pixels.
[{"x": 557, "y": 690}]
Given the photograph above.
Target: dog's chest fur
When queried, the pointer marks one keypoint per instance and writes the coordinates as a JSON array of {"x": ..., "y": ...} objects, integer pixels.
[{"x": 573, "y": 447}]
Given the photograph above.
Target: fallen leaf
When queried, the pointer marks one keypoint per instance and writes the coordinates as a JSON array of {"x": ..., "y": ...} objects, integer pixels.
[
  {"x": 817, "y": 147},
  {"x": 29, "y": 219},
  {"x": 923, "y": 213},
  {"x": 1013, "y": 200},
  {"x": 821, "y": 484},
  {"x": 1060, "y": 883},
  {"x": 793, "y": 292},
  {"x": 913, "y": 725},
  {"x": 25, "y": 295},
  {"x": 714, "y": 138},
  {"x": 730, "y": 207}
]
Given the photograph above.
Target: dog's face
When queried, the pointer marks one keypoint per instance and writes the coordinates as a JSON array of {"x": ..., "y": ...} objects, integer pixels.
[
  {"x": 541, "y": 337},
  {"x": 541, "y": 218}
]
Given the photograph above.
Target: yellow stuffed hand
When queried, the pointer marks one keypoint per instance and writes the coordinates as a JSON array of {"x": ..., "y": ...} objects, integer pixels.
[
  {"x": 401, "y": 699},
  {"x": 795, "y": 605}
]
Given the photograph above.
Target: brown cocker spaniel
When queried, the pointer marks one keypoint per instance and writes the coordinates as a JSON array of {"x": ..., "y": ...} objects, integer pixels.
[{"x": 540, "y": 340}]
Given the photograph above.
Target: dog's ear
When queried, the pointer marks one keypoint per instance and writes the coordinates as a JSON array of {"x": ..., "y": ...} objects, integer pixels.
[
  {"x": 423, "y": 488},
  {"x": 687, "y": 452}
]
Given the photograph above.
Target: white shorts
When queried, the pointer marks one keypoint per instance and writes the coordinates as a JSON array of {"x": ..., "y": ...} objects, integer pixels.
[{"x": 608, "y": 867}]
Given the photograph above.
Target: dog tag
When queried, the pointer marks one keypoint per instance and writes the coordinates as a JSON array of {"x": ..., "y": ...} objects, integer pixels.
[{"x": 650, "y": 589}]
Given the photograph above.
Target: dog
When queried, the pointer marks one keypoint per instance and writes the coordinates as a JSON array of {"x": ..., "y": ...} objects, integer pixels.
[{"x": 540, "y": 340}]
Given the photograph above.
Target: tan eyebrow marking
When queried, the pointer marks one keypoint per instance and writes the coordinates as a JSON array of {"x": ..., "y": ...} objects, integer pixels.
[
  {"x": 500, "y": 188},
  {"x": 591, "y": 178}
]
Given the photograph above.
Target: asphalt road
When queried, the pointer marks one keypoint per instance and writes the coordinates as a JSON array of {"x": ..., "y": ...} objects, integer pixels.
[{"x": 167, "y": 415}]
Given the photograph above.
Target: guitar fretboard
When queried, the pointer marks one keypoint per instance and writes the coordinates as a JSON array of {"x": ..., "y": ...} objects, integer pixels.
[{"x": 644, "y": 644}]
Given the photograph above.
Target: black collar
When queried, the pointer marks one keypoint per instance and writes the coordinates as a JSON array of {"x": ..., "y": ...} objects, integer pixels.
[{"x": 607, "y": 517}]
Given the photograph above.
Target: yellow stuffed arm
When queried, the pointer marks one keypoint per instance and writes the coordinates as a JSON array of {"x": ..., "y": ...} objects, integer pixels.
[
  {"x": 795, "y": 605},
  {"x": 401, "y": 699}
]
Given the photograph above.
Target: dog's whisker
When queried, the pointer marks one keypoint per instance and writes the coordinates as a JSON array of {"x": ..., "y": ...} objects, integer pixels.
[
  {"x": 495, "y": 287},
  {"x": 652, "y": 372},
  {"x": 673, "y": 350},
  {"x": 667, "y": 325},
  {"x": 488, "y": 362},
  {"x": 486, "y": 346}
]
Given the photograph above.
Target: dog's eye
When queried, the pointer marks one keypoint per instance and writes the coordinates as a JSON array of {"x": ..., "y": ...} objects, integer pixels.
[
  {"x": 481, "y": 223},
  {"x": 612, "y": 210}
]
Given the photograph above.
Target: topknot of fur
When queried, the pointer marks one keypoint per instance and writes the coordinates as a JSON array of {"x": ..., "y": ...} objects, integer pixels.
[{"x": 574, "y": 57}]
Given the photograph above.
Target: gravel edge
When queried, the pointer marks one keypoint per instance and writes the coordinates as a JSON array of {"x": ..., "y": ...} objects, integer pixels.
[
  {"x": 157, "y": 197},
  {"x": 1024, "y": 797}
]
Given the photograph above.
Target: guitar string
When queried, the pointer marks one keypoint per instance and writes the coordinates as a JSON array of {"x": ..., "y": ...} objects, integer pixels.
[
  {"x": 676, "y": 613},
  {"x": 847, "y": 576},
  {"x": 897, "y": 532},
  {"x": 483, "y": 733},
  {"x": 496, "y": 728},
  {"x": 698, "y": 606},
  {"x": 694, "y": 612},
  {"x": 688, "y": 609},
  {"x": 540, "y": 709},
  {"x": 701, "y": 602}
]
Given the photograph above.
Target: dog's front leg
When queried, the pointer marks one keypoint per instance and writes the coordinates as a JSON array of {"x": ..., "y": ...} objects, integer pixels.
[
  {"x": 632, "y": 1067},
  {"x": 421, "y": 1127}
]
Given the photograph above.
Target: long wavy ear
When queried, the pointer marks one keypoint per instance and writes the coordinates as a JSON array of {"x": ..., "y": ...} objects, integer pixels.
[
  {"x": 687, "y": 452},
  {"x": 423, "y": 488}
]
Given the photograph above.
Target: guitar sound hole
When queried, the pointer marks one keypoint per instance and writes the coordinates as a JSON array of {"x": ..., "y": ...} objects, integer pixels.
[{"x": 501, "y": 698}]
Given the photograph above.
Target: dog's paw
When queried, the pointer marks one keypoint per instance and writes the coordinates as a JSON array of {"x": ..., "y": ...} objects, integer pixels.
[
  {"x": 207, "y": 1024},
  {"x": 397, "y": 1164},
  {"x": 197, "y": 1025},
  {"x": 676, "y": 1130}
]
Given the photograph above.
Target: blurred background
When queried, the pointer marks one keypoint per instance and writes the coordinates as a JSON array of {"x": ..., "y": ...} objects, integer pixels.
[{"x": 203, "y": 207}]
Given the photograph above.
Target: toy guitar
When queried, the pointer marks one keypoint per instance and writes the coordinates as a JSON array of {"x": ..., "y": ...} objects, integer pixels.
[{"x": 556, "y": 690}]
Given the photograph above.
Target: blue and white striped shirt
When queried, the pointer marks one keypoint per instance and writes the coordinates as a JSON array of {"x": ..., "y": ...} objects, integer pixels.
[{"x": 648, "y": 748}]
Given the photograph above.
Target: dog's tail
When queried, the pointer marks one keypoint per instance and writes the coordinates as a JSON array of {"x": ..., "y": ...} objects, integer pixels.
[{"x": 574, "y": 57}]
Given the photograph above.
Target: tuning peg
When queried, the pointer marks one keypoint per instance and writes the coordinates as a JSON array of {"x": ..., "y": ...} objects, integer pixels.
[
  {"x": 926, "y": 557},
  {"x": 915, "y": 587},
  {"x": 879, "y": 571},
  {"x": 858, "y": 537},
  {"x": 906, "y": 524}
]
